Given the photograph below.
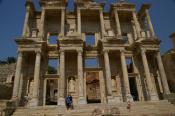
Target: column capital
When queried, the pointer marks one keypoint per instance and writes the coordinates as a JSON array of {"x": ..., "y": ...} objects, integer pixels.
[
  {"x": 28, "y": 9},
  {"x": 61, "y": 50},
  {"x": 38, "y": 52},
  {"x": 79, "y": 51},
  {"x": 105, "y": 51},
  {"x": 122, "y": 51},
  {"x": 78, "y": 10},
  {"x": 142, "y": 49}
]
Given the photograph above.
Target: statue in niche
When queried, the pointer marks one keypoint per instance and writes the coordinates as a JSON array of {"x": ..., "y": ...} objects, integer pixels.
[
  {"x": 114, "y": 85},
  {"x": 72, "y": 27},
  {"x": 71, "y": 85}
]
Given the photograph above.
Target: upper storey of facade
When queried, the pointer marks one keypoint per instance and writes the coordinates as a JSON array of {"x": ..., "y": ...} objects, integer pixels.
[{"x": 122, "y": 23}]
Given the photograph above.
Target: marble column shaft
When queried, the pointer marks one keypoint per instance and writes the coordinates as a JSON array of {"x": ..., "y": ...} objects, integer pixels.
[
  {"x": 62, "y": 74},
  {"x": 149, "y": 23},
  {"x": 162, "y": 74},
  {"x": 17, "y": 76},
  {"x": 80, "y": 73},
  {"x": 102, "y": 22},
  {"x": 125, "y": 74},
  {"x": 151, "y": 90},
  {"x": 26, "y": 21},
  {"x": 108, "y": 73},
  {"x": 79, "y": 20},
  {"x": 35, "y": 95},
  {"x": 118, "y": 28},
  {"x": 137, "y": 25},
  {"x": 62, "y": 21},
  {"x": 42, "y": 23}
]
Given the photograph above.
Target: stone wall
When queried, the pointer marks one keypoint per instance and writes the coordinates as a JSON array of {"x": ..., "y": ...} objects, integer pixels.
[
  {"x": 169, "y": 64},
  {"x": 7, "y": 72}
]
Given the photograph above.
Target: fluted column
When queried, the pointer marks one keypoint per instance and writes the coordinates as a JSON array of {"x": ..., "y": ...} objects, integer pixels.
[
  {"x": 149, "y": 23},
  {"x": 62, "y": 22},
  {"x": 137, "y": 25},
  {"x": 151, "y": 90},
  {"x": 81, "y": 97},
  {"x": 108, "y": 73},
  {"x": 41, "y": 30},
  {"x": 162, "y": 74},
  {"x": 17, "y": 76},
  {"x": 125, "y": 77},
  {"x": 118, "y": 28},
  {"x": 35, "y": 95},
  {"x": 26, "y": 21},
  {"x": 79, "y": 20},
  {"x": 102, "y": 22},
  {"x": 61, "y": 85}
]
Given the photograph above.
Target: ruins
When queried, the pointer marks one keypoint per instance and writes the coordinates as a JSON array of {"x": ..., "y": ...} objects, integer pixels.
[
  {"x": 169, "y": 64},
  {"x": 99, "y": 57}
]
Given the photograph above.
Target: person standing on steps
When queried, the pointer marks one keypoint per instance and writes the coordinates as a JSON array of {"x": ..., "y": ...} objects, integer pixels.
[{"x": 69, "y": 102}]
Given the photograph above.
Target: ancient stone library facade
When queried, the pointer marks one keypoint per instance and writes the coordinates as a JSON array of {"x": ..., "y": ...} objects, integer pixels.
[{"x": 101, "y": 57}]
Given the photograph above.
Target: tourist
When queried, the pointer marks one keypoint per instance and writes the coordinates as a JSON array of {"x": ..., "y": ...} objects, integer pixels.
[{"x": 69, "y": 102}]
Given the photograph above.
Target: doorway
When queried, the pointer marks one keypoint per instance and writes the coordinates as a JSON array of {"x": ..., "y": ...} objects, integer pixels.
[
  {"x": 93, "y": 87},
  {"x": 51, "y": 91},
  {"x": 133, "y": 88}
]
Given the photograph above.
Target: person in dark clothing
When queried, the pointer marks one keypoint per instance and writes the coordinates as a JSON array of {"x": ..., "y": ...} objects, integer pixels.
[{"x": 69, "y": 102}]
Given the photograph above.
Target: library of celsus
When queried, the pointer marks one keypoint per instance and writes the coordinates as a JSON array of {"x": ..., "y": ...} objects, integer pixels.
[{"x": 96, "y": 56}]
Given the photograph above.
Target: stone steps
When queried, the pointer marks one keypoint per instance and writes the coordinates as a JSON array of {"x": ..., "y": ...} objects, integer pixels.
[{"x": 137, "y": 109}]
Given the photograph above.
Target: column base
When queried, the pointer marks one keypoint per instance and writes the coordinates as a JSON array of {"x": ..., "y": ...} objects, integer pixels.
[
  {"x": 154, "y": 98},
  {"x": 110, "y": 100},
  {"x": 118, "y": 99},
  {"x": 129, "y": 98},
  {"x": 33, "y": 102},
  {"x": 82, "y": 100},
  {"x": 61, "y": 101}
]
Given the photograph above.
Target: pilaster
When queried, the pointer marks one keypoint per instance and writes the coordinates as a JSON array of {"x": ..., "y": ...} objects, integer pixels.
[
  {"x": 61, "y": 87},
  {"x": 81, "y": 97}
]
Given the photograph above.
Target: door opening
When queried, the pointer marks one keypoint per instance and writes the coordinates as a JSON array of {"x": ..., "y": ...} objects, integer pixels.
[
  {"x": 133, "y": 88},
  {"x": 93, "y": 87}
]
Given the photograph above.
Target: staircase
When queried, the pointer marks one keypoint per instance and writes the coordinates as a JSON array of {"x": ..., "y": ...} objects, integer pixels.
[{"x": 154, "y": 108}]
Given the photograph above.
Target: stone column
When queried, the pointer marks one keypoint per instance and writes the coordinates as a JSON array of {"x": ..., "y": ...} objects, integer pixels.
[
  {"x": 108, "y": 77},
  {"x": 151, "y": 90},
  {"x": 41, "y": 30},
  {"x": 62, "y": 22},
  {"x": 118, "y": 28},
  {"x": 61, "y": 86},
  {"x": 35, "y": 94},
  {"x": 17, "y": 76},
  {"x": 125, "y": 77},
  {"x": 44, "y": 92},
  {"x": 137, "y": 25},
  {"x": 102, "y": 22},
  {"x": 79, "y": 20},
  {"x": 149, "y": 23},
  {"x": 26, "y": 21},
  {"x": 162, "y": 74},
  {"x": 81, "y": 98}
]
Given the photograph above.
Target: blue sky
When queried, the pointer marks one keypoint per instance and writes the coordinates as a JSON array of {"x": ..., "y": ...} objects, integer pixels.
[{"x": 12, "y": 14}]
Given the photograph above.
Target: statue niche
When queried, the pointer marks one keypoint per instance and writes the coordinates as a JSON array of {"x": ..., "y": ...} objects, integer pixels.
[
  {"x": 71, "y": 84},
  {"x": 71, "y": 26}
]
